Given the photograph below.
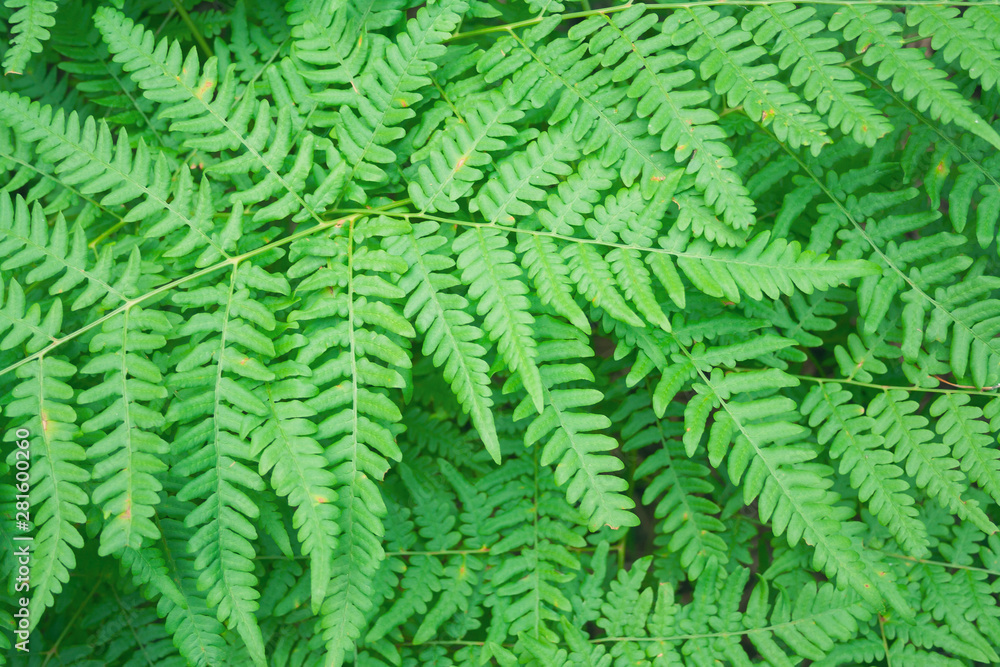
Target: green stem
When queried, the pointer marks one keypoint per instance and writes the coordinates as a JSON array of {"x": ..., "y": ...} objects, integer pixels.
[
  {"x": 706, "y": 3},
  {"x": 885, "y": 642},
  {"x": 538, "y": 19},
  {"x": 202, "y": 44},
  {"x": 55, "y": 647},
  {"x": 954, "y": 566},
  {"x": 884, "y": 387},
  {"x": 232, "y": 261},
  {"x": 887, "y": 387}
]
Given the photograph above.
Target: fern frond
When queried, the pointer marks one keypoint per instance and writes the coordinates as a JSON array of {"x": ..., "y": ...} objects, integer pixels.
[
  {"x": 326, "y": 37},
  {"x": 580, "y": 452},
  {"x": 496, "y": 287},
  {"x": 535, "y": 558},
  {"x": 674, "y": 114},
  {"x": 926, "y": 461},
  {"x": 389, "y": 87},
  {"x": 817, "y": 67},
  {"x": 187, "y": 615},
  {"x": 696, "y": 216},
  {"x": 521, "y": 176},
  {"x": 871, "y": 468},
  {"x": 214, "y": 391},
  {"x": 129, "y": 451},
  {"x": 791, "y": 492},
  {"x": 809, "y": 621},
  {"x": 200, "y": 106},
  {"x": 972, "y": 323},
  {"x": 688, "y": 520},
  {"x": 449, "y": 336},
  {"x": 29, "y": 28},
  {"x": 341, "y": 277},
  {"x": 557, "y": 65},
  {"x": 954, "y": 36},
  {"x": 974, "y": 350},
  {"x": 356, "y": 333},
  {"x": 907, "y": 70},
  {"x": 453, "y": 167},
  {"x": 596, "y": 282},
  {"x": 461, "y": 573},
  {"x": 28, "y": 240},
  {"x": 57, "y": 473},
  {"x": 976, "y": 175},
  {"x": 86, "y": 154},
  {"x": 286, "y": 448},
  {"x": 962, "y": 428},
  {"x": 27, "y": 326},
  {"x": 551, "y": 277},
  {"x": 705, "y": 358},
  {"x": 764, "y": 267},
  {"x": 859, "y": 360},
  {"x": 718, "y": 43}
]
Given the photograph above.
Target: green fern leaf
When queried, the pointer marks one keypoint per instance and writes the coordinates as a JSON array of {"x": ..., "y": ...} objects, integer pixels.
[
  {"x": 909, "y": 72},
  {"x": 926, "y": 461},
  {"x": 495, "y": 286},
  {"x": 129, "y": 451},
  {"x": 718, "y": 43},
  {"x": 957, "y": 37},
  {"x": 29, "y": 28},
  {"x": 818, "y": 68},
  {"x": 465, "y": 145},
  {"x": 449, "y": 336},
  {"x": 580, "y": 453},
  {"x": 688, "y": 521},
  {"x": 691, "y": 132},
  {"x": 388, "y": 90},
  {"x": 878, "y": 481},
  {"x": 354, "y": 410},
  {"x": 56, "y": 476},
  {"x": 963, "y": 429}
]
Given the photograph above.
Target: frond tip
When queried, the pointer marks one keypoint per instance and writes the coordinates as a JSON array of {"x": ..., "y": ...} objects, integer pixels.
[{"x": 29, "y": 26}]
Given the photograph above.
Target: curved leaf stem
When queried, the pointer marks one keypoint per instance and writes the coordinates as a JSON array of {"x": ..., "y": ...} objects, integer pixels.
[
  {"x": 232, "y": 261},
  {"x": 507, "y": 27},
  {"x": 198, "y": 38},
  {"x": 887, "y": 387}
]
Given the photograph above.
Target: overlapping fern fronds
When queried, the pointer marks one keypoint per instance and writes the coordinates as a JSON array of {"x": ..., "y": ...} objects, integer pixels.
[{"x": 471, "y": 332}]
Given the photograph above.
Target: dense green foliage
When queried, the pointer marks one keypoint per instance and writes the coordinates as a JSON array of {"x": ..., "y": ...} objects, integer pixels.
[{"x": 464, "y": 332}]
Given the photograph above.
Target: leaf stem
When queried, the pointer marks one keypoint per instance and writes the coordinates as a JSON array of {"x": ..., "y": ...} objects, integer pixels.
[
  {"x": 55, "y": 647},
  {"x": 889, "y": 387},
  {"x": 538, "y": 19},
  {"x": 507, "y": 27},
  {"x": 232, "y": 261},
  {"x": 885, "y": 642},
  {"x": 202, "y": 44},
  {"x": 924, "y": 561}
]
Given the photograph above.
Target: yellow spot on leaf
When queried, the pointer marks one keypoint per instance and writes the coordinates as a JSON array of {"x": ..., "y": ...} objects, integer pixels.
[{"x": 204, "y": 88}]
